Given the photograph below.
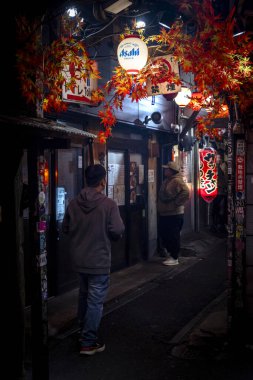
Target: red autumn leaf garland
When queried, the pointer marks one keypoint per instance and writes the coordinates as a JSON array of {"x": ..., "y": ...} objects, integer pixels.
[
  {"x": 108, "y": 120},
  {"x": 219, "y": 62},
  {"x": 40, "y": 67},
  {"x": 123, "y": 85}
]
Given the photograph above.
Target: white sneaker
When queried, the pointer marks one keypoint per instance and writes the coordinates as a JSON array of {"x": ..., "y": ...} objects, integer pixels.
[{"x": 171, "y": 261}]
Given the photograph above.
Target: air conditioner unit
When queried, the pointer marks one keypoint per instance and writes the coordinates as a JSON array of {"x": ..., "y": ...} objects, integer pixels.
[{"x": 116, "y": 7}]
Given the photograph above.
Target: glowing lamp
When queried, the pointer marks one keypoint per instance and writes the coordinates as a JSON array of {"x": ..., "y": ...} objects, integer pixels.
[
  {"x": 46, "y": 174},
  {"x": 183, "y": 97},
  {"x": 208, "y": 174},
  {"x": 224, "y": 112},
  {"x": 197, "y": 99},
  {"x": 132, "y": 54}
]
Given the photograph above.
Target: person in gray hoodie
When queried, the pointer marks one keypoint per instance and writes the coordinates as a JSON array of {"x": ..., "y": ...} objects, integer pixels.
[
  {"x": 92, "y": 221},
  {"x": 172, "y": 196}
]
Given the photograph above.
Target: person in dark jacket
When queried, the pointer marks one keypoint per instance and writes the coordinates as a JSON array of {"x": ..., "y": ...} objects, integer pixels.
[
  {"x": 172, "y": 196},
  {"x": 92, "y": 220}
]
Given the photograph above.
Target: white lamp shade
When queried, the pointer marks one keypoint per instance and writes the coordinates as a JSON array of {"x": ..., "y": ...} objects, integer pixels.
[
  {"x": 183, "y": 97},
  {"x": 132, "y": 54}
]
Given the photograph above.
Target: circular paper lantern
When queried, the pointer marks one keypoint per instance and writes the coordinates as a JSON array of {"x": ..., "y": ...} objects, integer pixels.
[
  {"x": 208, "y": 174},
  {"x": 183, "y": 97},
  {"x": 132, "y": 54}
]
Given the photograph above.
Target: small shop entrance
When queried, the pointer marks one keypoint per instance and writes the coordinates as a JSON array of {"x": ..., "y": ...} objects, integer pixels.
[{"x": 126, "y": 184}]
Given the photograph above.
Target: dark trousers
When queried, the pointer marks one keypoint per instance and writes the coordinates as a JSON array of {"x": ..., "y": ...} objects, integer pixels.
[
  {"x": 169, "y": 229},
  {"x": 219, "y": 213}
]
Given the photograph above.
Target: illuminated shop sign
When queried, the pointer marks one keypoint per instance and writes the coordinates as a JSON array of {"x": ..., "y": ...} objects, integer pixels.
[
  {"x": 132, "y": 54},
  {"x": 207, "y": 174}
]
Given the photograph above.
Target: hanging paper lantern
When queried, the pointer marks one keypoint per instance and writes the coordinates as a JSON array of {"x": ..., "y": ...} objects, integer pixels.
[
  {"x": 132, "y": 54},
  {"x": 208, "y": 174},
  {"x": 183, "y": 97}
]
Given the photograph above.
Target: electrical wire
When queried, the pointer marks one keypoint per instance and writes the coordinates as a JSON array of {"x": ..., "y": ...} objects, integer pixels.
[{"x": 104, "y": 27}]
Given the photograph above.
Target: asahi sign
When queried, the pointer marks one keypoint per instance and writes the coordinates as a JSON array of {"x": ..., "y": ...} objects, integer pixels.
[
  {"x": 162, "y": 88},
  {"x": 83, "y": 86},
  {"x": 132, "y": 54}
]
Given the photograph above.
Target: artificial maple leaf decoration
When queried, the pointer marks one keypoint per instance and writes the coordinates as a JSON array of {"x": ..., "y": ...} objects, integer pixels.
[
  {"x": 97, "y": 96},
  {"x": 40, "y": 67},
  {"x": 219, "y": 62},
  {"x": 107, "y": 116}
]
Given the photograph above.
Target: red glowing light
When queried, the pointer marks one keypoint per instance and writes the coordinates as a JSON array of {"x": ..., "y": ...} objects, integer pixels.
[{"x": 208, "y": 174}]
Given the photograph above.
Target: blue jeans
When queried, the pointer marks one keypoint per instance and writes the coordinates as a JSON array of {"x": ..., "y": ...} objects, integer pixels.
[{"x": 92, "y": 292}]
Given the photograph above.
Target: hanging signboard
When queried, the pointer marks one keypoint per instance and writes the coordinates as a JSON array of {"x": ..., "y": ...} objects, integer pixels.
[
  {"x": 207, "y": 174},
  {"x": 81, "y": 92},
  {"x": 162, "y": 88}
]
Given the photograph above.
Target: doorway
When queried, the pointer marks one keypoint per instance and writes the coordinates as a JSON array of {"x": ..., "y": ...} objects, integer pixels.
[{"x": 126, "y": 184}]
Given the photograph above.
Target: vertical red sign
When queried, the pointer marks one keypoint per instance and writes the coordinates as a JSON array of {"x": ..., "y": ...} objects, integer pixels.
[
  {"x": 240, "y": 177},
  {"x": 208, "y": 174}
]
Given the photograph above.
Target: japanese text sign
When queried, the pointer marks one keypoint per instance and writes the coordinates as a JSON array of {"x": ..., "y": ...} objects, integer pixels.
[
  {"x": 164, "y": 87},
  {"x": 208, "y": 174},
  {"x": 82, "y": 90}
]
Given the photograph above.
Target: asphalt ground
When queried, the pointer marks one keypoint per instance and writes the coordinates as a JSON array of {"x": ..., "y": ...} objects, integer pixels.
[{"x": 139, "y": 331}]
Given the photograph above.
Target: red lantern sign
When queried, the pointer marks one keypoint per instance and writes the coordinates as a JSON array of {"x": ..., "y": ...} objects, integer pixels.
[{"x": 208, "y": 174}]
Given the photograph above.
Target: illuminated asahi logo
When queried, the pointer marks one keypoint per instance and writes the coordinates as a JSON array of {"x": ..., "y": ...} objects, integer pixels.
[{"x": 132, "y": 53}]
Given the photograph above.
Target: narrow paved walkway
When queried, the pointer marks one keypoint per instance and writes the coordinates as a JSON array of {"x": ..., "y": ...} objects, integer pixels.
[
  {"x": 132, "y": 280},
  {"x": 138, "y": 333}
]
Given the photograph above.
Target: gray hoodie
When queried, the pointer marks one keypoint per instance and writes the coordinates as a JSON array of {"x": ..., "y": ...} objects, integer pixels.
[{"x": 92, "y": 220}]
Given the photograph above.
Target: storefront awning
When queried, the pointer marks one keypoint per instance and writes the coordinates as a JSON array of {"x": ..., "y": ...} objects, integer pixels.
[{"x": 27, "y": 131}]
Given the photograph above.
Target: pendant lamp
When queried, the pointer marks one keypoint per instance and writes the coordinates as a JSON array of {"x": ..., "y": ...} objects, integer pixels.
[
  {"x": 132, "y": 54},
  {"x": 183, "y": 97}
]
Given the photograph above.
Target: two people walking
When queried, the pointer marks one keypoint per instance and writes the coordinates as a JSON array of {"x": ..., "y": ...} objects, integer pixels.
[{"x": 92, "y": 221}]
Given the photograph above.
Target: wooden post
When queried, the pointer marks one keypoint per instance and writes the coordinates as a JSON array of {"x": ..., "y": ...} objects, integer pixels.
[
  {"x": 230, "y": 222},
  {"x": 236, "y": 230}
]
